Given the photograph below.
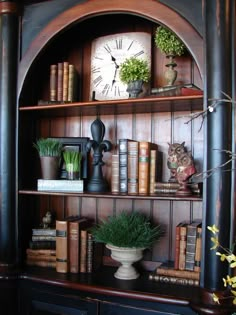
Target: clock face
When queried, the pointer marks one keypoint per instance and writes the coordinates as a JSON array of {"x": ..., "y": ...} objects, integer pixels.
[{"x": 107, "y": 53}]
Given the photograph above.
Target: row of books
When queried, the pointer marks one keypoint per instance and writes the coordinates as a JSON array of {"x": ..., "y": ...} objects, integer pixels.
[
  {"x": 69, "y": 247},
  {"x": 187, "y": 264},
  {"x": 63, "y": 82},
  {"x": 76, "y": 250},
  {"x": 134, "y": 167}
]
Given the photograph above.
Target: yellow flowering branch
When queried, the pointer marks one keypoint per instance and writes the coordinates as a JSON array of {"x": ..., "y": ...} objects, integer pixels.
[{"x": 226, "y": 255}]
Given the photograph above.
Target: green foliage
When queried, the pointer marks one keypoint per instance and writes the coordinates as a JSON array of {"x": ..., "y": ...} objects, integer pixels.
[
  {"x": 48, "y": 147},
  {"x": 127, "y": 230},
  {"x": 133, "y": 69},
  {"x": 168, "y": 42},
  {"x": 72, "y": 158}
]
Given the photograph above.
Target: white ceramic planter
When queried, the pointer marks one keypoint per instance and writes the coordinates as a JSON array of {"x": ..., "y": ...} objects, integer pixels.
[{"x": 126, "y": 256}]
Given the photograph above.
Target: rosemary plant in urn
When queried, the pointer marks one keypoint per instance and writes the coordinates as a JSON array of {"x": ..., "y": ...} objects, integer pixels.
[
  {"x": 127, "y": 235},
  {"x": 134, "y": 72},
  {"x": 49, "y": 151},
  {"x": 170, "y": 45}
]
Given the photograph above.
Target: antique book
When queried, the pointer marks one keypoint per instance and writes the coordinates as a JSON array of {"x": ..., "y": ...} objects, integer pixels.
[
  {"x": 177, "y": 245},
  {"x": 41, "y": 263},
  {"x": 153, "y": 170},
  {"x": 133, "y": 149},
  {"x": 61, "y": 185},
  {"x": 115, "y": 183},
  {"x": 65, "y": 80},
  {"x": 42, "y": 244},
  {"x": 123, "y": 165},
  {"x": 62, "y": 244},
  {"x": 173, "y": 280},
  {"x": 171, "y": 188},
  {"x": 74, "y": 243},
  {"x": 94, "y": 253},
  {"x": 46, "y": 231},
  {"x": 182, "y": 245},
  {"x": 145, "y": 148},
  {"x": 53, "y": 82},
  {"x": 191, "y": 238},
  {"x": 39, "y": 252},
  {"x": 71, "y": 83},
  {"x": 83, "y": 250},
  {"x": 167, "y": 269},
  {"x": 41, "y": 257},
  {"x": 60, "y": 81},
  {"x": 43, "y": 238},
  {"x": 197, "y": 263}
]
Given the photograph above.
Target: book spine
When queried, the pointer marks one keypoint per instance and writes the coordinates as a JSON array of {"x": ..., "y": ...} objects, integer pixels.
[
  {"x": 42, "y": 244},
  {"x": 74, "y": 247},
  {"x": 178, "y": 273},
  {"x": 62, "y": 263},
  {"x": 42, "y": 263},
  {"x": 177, "y": 246},
  {"x": 53, "y": 82},
  {"x": 144, "y": 167},
  {"x": 115, "y": 183},
  {"x": 166, "y": 185},
  {"x": 182, "y": 247},
  {"x": 197, "y": 262},
  {"x": 65, "y": 81},
  {"x": 90, "y": 249},
  {"x": 133, "y": 148},
  {"x": 174, "y": 280},
  {"x": 43, "y": 238},
  {"x": 41, "y": 258},
  {"x": 83, "y": 251},
  {"x": 153, "y": 161},
  {"x": 49, "y": 232},
  {"x": 123, "y": 165},
  {"x": 71, "y": 83},
  {"x": 60, "y": 81},
  {"x": 164, "y": 191},
  {"x": 191, "y": 245},
  {"x": 39, "y": 252}
]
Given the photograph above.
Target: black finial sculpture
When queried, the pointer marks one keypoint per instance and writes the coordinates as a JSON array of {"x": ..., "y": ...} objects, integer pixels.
[{"x": 97, "y": 183}]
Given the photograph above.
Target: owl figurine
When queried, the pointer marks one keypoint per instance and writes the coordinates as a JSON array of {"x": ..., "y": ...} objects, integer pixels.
[
  {"x": 175, "y": 150},
  {"x": 185, "y": 170}
]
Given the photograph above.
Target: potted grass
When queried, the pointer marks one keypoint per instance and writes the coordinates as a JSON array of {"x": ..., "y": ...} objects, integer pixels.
[
  {"x": 72, "y": 161},
  {"x": 134, "y": 72},
  {"x": 170, "y": 45},
  {"x": 49, "y": 151},
  {"x": 127, "y": 235}
]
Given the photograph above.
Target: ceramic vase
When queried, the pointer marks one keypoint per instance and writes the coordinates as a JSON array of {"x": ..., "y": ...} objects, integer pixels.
[
  {"x": 126, "y": 256},
  {"x": 49, "y": 167}
]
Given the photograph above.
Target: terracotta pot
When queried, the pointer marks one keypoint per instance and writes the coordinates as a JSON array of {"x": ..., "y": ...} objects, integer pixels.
[{"x": 49, "y": 167}]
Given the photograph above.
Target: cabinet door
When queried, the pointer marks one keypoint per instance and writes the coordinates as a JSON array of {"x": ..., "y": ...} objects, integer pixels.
[
  {"x": 43, "y": 308},
  {"x": 160, "y": 309}
]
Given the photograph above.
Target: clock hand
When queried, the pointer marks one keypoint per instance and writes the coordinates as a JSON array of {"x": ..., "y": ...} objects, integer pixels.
[{"x": 114, "y": 78}]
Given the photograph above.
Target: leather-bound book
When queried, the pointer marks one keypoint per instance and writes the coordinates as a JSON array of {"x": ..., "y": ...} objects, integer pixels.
[
  {"x": 191, "y": 240},
  {"x": 197, "y": 263},
  {"x": 133, "y": 147},
  {"x": 60, "y": 82},
  {"x": 153, "y": 170},
  {"x": 94, "y": 253},
  {"x": 182, "y": 245},
  {"x": 74, "y": 243},
  {"x": 71, "y": 83},
  {"x": 53, "y": 82},
  {"x": 123, "y": 165},
  {"x": 65, "y": 81},
  {"x": 115, "y": 183},
  {"x": 83, "y": 250}
]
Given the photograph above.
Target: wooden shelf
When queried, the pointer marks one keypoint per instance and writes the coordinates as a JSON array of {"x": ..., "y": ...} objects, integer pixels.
[
  {"x": 126, "y": 106},
  {"x": 112, "y": 196}
]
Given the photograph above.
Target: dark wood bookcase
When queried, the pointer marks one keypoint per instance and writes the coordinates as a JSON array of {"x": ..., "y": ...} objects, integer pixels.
[{"x": 66, "y": 34}]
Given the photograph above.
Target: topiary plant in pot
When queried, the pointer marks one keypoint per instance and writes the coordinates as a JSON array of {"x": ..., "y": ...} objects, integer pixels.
[
  {"x": 134, "y": 72},
  {"x": 171, "y": 46},
  {"x": 49, "y": 151},
  {"x": 127, "y": 235}
]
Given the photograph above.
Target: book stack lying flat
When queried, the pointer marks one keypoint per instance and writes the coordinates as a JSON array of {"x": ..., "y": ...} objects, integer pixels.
[
  {"x": 61, "y": 185},
  {"x": 166, "y": 273},
  {"x": 172, "y": 188},
  {"x": 42, "y": 248}
]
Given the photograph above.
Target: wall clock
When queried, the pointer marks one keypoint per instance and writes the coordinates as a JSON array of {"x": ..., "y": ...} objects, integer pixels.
[{"x": 107, "y": 53}]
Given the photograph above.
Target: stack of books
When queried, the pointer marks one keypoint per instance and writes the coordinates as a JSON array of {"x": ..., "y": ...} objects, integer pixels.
[
  {"x": 172, "y": 188},
  {"x": 42, "y": 248},
  {"x": 135, "y": 168},
  {"x": 76, "y": 250},
  {"x": 187, "y": 264}
]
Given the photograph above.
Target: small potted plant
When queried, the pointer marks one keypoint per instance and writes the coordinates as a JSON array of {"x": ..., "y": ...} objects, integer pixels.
[
  {"x": 171, "y": 46},
  {"x": 49, "y": 151},
  {"x": 134, "y": 72},
  {"x": 127, "y": 235},
  {"x": 72, "y": 161}
]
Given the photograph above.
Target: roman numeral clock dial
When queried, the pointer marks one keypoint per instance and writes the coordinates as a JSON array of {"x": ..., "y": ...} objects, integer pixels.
[{"x": 107, "y": 53}]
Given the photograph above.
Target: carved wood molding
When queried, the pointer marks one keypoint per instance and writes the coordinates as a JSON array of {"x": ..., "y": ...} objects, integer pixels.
[{"x": 9, "y": 7}]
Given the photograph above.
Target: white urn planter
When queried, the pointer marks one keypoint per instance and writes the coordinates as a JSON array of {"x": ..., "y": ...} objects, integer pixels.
[{"x": 126, "y": 256}]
